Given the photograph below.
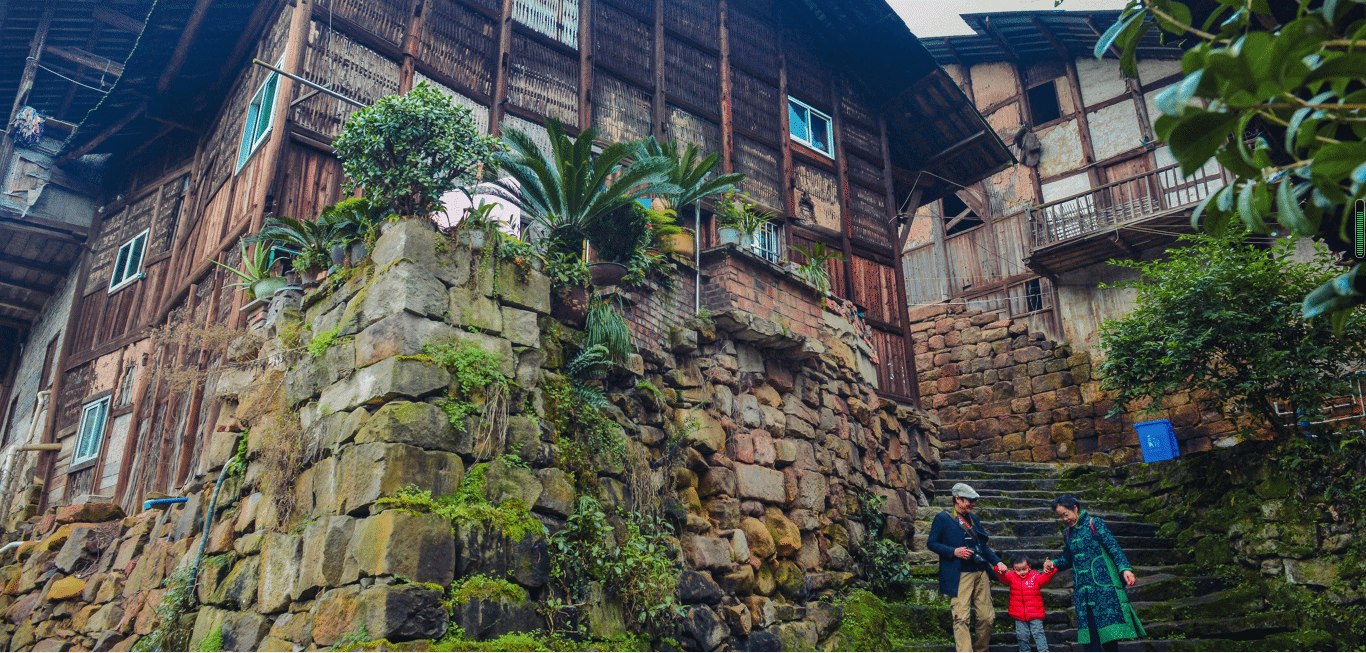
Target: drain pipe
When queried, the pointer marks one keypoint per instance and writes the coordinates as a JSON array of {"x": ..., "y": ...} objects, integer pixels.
[
  {"x": 208, "y": 518},
  {"x": 157, "y": 503},
  {"x": 697, "y": 253}
]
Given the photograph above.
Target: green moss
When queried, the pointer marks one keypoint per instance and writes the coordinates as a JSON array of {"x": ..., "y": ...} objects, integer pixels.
[
  {"x": 477, "y": 375},
  {"x": 323, "y": 341},
  {"x": 871, "y": 624},
  {"x": 468, "y": 505},
  {"x": 484, "y": 588},
  {"x": 213, "y": 641}
]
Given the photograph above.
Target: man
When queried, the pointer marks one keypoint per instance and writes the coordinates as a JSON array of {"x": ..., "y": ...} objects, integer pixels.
[{"x": 964, "y": 562}]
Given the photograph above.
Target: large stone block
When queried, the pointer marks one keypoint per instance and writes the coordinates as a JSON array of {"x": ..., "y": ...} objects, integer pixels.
[
  {"x": 787, "y": 537},
  {"x": 706, "y": 627},
  {"x": 471, "y": 309},
  {"x": 369, "y": 471},
  {"x": 403, "y": 612},
  {"x": 528, "y": 291},
  {"x": 503, "y": 482},
  {"x": 708, "y": 552},
  {"x": 484, "y": 549},
  {"x": 419, "y": 424},
  {"x": 280, "y": 557},
  {"x": 418, "y": 547},
  {"x": 762, "y": 483},
  {"x": 321, "y": 566},
  {"x": 501, "y": 349},
  {"x": 709, "y": 435},
  {"x": 239, "y": 589},
  {"x": 487, "y": 619},
  {"x": 557, "y": 492},
  {"x": 89, "y": 512},
  {"x": 388, "y": 379},
  {"x": 400, "y": 334},
  {"x": 402, "y": 286},
  {"x": 422, "y": 245},
  {"x": 520, "y": 327}
]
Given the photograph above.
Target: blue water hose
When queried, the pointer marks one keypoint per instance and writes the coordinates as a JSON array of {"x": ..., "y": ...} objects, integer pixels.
[{"x": 156, "y": 503}]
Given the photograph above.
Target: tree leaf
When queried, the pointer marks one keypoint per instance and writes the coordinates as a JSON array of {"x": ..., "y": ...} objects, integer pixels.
[
  {"x": 1108, "y": 38},
  {"x": 1195, "y": 139}
]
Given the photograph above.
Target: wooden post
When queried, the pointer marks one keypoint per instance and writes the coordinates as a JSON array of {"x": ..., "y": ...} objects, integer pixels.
[
  {"x": 407, "y": 70},
  {"x": 585, "y": 64},
  {"x": 35, "y": 52},
  {"x": 1083, "y": 124},
  {"x": 295, "y": 42},
  {"x": 842, "y": 189},
  {"x": 500, "y": 85},
  {"x": 911, "y": 207},
  {"x": 661, "y": 110},
  {"x": 727, "y": 95}
]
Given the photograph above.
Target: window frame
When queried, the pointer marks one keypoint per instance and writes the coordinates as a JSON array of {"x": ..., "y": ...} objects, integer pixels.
[
  {"x": 119, "y": 276},
  {"x": 252, "y": 134},
  {"x": 774, "y": 254},
  {"x": 793, "y": 105},
  {"x": 96, "y": 438}
]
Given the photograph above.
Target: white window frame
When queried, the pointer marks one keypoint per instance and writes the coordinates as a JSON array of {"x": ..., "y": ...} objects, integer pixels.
[
  {"x": 795, "y": 106},
  {"x": 89, "y": 440},
  {"x": 124, "y": 274},
  {"x": 253, "y": 133},
  {"x": 768, "y": 242}
]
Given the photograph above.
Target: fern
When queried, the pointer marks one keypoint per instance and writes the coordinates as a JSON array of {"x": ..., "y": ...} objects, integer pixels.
[{"x": 607, "y": 327}]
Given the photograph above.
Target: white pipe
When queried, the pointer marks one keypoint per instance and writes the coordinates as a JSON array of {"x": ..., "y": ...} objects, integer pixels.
[
  {"x": 697, "y": 254},
  {"x": 11, "y": 545}
]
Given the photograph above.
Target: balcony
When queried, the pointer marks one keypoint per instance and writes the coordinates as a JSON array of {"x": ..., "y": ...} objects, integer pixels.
[{"x": 1119, "y": 219}]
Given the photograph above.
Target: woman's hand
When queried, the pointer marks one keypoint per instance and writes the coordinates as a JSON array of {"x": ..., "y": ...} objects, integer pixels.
[
  {"x": 962, "y": 552},
  {"x": 1001, "y": 568},
  {"x": 1047, "y": 565},
  {"x": 1129, "y": 578}
]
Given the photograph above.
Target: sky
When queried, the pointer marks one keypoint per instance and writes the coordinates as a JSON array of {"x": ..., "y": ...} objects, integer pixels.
[{"x": 940, "y": 17}]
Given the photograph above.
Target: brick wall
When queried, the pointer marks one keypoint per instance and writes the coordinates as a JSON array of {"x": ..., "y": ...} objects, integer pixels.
[
  {"x": 734, "y": 278},
  {"x": 1005, "y": 393},
  {"x": 653, "y": 312}
]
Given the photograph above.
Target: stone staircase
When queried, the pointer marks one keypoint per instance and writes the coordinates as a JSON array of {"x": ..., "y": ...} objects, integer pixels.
[{"x": 1181, "y": 611}]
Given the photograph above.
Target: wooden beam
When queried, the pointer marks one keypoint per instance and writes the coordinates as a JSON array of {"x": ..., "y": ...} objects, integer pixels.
[
  {"x": 118, "y": 21},
  {"x": 35, "y": 53},
  {"x": 42, "y": 291},
  {"x": 953, "y": 150},
  {"x": 1000, "y": 39},
  {"x": 90, "y": 42},
  {"x": 182, "y": 47},
  {"x": 29, "y": 265},
  {"x": 175, "y": 125},
  {"x": 1051, "y": 38},
  {"x": 104, "y": 135},
  {"x": 45, "y": 228},
  {"x": 953, "y": 52},
  {"x": 91, "y": 60},
  {"x": 22, "y": 308},
  {"x": 15, "y": 324},
  {"x": 904, "y": 314}
]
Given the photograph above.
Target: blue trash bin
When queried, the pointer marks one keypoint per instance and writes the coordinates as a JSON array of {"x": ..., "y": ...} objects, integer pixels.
[{"x": 1158, "y": 440}]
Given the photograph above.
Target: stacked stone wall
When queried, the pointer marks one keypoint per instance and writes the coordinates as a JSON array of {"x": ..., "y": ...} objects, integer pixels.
[
  {"x": 1004, "y": 393},
  {"x": 654, "y": 312},
  {"x": 758, "y": 444}
]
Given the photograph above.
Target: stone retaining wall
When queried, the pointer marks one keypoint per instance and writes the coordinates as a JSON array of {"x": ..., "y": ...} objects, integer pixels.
[
  {"x": 1005, "y": 393},
  {"x": 783, "y": 440}
]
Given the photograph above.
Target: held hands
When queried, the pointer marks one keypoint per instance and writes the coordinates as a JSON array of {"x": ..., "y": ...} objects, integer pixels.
[
  {"x": 1001, "y": 568},
  {"x": 962, "y": 552},
  {"x": 1047, "y": 565},
  {"x": 1129, "y": 578}
]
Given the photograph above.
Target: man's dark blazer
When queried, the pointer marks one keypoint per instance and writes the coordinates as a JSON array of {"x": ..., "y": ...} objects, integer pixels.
[{"x": 946, "y": 534}]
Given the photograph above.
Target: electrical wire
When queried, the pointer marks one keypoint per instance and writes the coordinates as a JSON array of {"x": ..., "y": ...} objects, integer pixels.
[{"x": 40, "y": 65}]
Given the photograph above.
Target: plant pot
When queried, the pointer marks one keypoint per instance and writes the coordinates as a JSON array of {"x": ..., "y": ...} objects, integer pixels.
[
  {"x": 606, "y": 274},
  {"x": 266, "y": 288},
  {"x": 746, "y": 240},
  {"x": 570, "y": 306},
  {"x": 729, "y": 235},
  {"x": 682, "y": 244},
  {"x": 338, "y": 255}
]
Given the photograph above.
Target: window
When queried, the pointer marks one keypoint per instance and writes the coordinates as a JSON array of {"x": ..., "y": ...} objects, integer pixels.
[
  {"x": 91, "y": 433},
  {"x": 809, "y": 127},
  {"x": 958, "y": 217},
  {"x": 767, "y": 244},
  {"x": 128, "y": 266},
  {"x": 1033, "y": 295},
  {"x": 1043, "y": 103},
  {"x": 259, "y": 114}
]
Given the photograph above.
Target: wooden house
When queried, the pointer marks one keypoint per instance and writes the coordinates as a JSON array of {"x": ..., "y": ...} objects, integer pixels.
[{"x": 841, "y": 121}]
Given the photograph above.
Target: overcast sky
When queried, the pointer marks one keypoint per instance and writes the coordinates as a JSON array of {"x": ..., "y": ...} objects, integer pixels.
[{"x": 940, "y": 17}]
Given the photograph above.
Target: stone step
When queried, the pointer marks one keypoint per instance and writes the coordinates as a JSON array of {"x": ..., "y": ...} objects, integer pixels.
[
  {"x": 1163, "y": 587},
  {"x": 1046, "y": 483},
  {"x": 962, "y": 475},
  {"x": 1006, "y": 544},
  {"x": 1244, "y": 627},
  {"x": 1189, "y": 645},
  {"x": 999, "y": 513},
  {"x": 997, "y": 466},
  {"x": 1015, "y": 499}
]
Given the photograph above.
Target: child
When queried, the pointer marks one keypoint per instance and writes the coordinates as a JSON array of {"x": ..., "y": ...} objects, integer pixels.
[{"x": 1026, "y": 602}]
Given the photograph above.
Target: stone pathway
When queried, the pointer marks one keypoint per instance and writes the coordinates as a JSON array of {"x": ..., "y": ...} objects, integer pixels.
[{"x": 1181, "y": 611}]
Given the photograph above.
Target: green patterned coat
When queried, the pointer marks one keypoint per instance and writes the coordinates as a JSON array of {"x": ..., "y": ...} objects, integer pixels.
[{"x": 1097, "y": 588}]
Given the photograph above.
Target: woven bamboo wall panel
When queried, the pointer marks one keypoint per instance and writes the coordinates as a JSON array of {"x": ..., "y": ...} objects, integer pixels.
[
  {"x": 538, "y": 134},
  {"x": 478, "y": 112},
  {"x": 543, "y": 80},
  {"x": 686, "y": 127},
  {"x": 644, "y": 9},
  {"x": 621, "y": 112},
  {"x": 762, "y": 8},
  {"x": 461, "y": 43},
  {"x": 355, "y": 71},
  {"x": 624, "y": 43},
  {"x": 868, "y": 215},
  {"x": 167, "y": 216},
  {"x": 691, "y": 75},
  {"x": 761, "y": 165},
  {"x": 854, "y": 108},
  {"x": 386, "y": 19},
  {"x": 808, "y": 78},
  {"x": 864, "y": 170},
  {"x": 558, "y": 19},
  {"x": 863, "y": 139},
  {"x": 698, "y": 20},
  {"x": 823, "y": 189},
  {"x": 75, "y": 384},
  {"x": 755, "y": 105},
  {"x": 753, "y": 43}
]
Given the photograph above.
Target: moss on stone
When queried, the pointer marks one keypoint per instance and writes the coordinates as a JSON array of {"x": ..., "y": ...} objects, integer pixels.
[{"x": 484, "y": 588}]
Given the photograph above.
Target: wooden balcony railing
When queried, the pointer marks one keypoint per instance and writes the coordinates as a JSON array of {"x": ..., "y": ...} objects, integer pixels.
[{"x": 1127, "y": 201}]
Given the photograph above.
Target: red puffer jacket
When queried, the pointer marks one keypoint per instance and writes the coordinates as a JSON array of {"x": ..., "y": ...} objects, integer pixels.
[{"x": 1026, "y": 602}]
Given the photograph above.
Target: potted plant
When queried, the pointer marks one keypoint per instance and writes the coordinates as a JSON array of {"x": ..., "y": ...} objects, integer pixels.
[
  {"x": 749, "y": 223},
  {"x": 569, "y": 281},
  {"x": 255, "y": 273},
  {"x": 691, "y": 174},
  {"x": 729, "y": 211},
  {"x": 813, "y": 270},
  {"x": 409, "y": 150},
  {"x": 476, "y": 226}
]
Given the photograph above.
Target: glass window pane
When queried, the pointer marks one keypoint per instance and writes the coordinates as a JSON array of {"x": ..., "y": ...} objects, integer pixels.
[
  {"x": 267, "y": 105},
  {"x": 136, "y": 248},
  {"x": 120, "y": 265},
  {"x": 820, "y": 133},
  {"x": 796, "y": 121}
]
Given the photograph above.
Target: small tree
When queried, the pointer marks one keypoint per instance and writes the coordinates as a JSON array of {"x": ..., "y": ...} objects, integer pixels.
[
  {"x": 409, "y": 150},
  {"x": 1223, "y": 315}
]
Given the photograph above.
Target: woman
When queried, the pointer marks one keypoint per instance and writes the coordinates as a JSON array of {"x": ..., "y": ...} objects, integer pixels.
[{"x": 1104, "y": 615}]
